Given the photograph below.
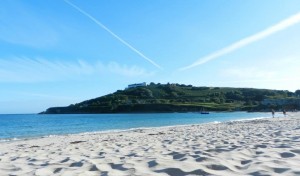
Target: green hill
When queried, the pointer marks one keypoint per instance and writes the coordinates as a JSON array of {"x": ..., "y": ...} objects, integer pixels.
[{"x": 184, "y": 98}]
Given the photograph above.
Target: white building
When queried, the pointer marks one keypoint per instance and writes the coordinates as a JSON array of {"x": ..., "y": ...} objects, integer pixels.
[{"x": 137, "y": 85}]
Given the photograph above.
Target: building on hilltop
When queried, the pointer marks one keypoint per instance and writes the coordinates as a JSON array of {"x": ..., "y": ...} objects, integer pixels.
[{"x": 136, "y": 85}]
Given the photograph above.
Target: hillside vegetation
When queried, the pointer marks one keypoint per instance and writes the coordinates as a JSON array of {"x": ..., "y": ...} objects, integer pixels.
[{"x": 183, "y": 98}]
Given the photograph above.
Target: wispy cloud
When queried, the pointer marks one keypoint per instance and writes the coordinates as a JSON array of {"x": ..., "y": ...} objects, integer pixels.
[
  {"x": 113, "y": 34},
  {"x": 279, "y": 73},
  {"x": 282, "y": 25},
  {"x": 41, "y": 70},
  {"x": 281, "y": 83},
  {"x": 267, "y": 69}
]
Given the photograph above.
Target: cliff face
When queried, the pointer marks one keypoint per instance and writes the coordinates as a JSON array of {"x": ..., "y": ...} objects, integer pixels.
[{"x": 183, "y": 98}]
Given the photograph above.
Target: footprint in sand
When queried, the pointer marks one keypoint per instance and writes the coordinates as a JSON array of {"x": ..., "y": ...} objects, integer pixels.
[
  {"x": 105, "y": 173},
  {"x": 65, "y": 160},
  {"x": 179, "y": 172},
  {"x": 57, "y": 170},
  {"x": 152, "y": 163},
  {"x": 295, "y": 151},
  {"x": 76, "y": 164},
  {"x": 260, "y": 146},
  {"x": 246, "y": 162},
  {"x": 217, "y": 167},
  {"x": 259, "y": 152},
  {"x": 287, "y": 155},
  {"x": 280, "y": 170},
  {"x": 118, "y": 167},
  {"x": 178, "y": 156},
  {"x": 93, "y": 168},
  {"x": 200, "y": 159}
]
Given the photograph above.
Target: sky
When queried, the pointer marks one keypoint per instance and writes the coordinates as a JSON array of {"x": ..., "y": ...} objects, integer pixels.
[{"x": 59, "y": 52}]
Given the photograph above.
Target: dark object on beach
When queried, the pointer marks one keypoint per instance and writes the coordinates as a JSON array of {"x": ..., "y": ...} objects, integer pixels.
[
  {"x": 273, "y": 113},
  {"x": 34, "y": 146},
  {"x": 284, "y": 112},
  {"x": 160, "y": 133},
  {"x": 76, "y": 142}
]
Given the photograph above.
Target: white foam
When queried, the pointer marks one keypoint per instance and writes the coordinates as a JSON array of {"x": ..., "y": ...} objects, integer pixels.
[
  {"x": 249, "y": 119},
  {"x": 10, "y": 139}
]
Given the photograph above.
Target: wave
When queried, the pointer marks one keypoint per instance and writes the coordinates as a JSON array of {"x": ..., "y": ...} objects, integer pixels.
[
  {"x": 256, "y": 118},
  {"x": 103, "y": 132},
  {"x": 10, "y": 139},
  {"x": 249, "y": 119},
  {"x": 260, "y": 116}
]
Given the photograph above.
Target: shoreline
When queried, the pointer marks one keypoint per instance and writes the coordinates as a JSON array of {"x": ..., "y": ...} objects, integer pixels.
[
  {"x": 4, "y": 140},
  {"x": 250, "y": 147}
]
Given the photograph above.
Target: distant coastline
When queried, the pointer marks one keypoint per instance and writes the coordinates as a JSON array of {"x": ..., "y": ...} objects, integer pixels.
[{"x": 167, "y": 98}]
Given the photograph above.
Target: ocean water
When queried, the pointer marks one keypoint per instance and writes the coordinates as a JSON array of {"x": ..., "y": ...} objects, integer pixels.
[{"x": 14, "y": 127}]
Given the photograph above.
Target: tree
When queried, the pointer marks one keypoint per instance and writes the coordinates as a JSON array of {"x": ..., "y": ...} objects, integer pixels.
[
  {"x": 174, "y": 95},
  {"x": 297, "y": 92},
  {"x": 249, "y": 103},
  {"x": 216, "y": 100}
]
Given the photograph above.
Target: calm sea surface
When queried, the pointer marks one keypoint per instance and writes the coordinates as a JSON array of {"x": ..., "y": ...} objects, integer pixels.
[{"x": 14, "y": 127}]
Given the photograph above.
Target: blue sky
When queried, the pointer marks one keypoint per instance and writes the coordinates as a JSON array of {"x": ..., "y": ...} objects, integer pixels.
[{"x": 51, "y": 54}]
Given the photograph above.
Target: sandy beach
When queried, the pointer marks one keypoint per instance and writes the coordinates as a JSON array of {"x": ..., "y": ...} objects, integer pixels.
[{"x": 256, "y": 147}]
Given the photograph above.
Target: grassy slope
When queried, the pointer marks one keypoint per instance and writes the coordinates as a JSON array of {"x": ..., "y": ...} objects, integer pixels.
[{"x": 176, "y": 98}]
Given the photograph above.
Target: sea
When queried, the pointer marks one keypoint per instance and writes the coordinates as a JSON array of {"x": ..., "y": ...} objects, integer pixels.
[{"x": 24, "y": 126}]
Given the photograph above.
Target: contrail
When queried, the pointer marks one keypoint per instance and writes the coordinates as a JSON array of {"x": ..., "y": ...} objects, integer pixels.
[
  {"x": 288, "y": 22},
  {"x": 113, "y": 34}
]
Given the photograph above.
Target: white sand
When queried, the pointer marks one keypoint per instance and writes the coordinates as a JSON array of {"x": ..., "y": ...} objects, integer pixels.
[{"x": 257, "y": 147}]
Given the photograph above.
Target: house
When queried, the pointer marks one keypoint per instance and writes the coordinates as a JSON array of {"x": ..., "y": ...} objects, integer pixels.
[{"x": 137, "y": 85}]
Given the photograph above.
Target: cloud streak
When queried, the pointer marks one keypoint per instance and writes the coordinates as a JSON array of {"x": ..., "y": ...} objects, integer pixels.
[
  {"x": 282, "y": 25},
  {"x": 281, "y": 74},
  {"x": 113, "y": 34},
  {"x": 43, "y": 70}
]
